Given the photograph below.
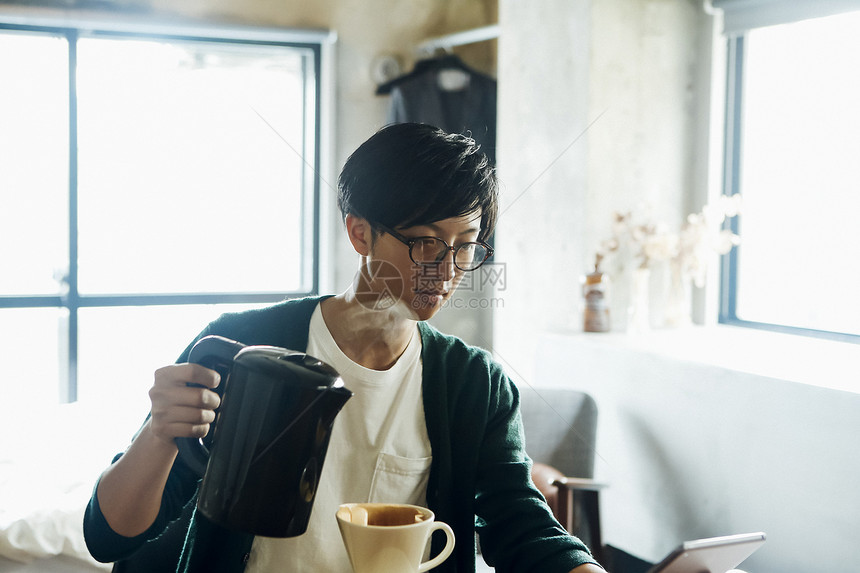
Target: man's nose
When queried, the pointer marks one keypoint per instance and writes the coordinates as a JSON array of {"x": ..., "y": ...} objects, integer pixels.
[{"x": 445, "y": 268}]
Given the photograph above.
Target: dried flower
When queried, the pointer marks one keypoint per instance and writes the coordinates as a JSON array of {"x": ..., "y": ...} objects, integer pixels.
[
  {"x": 702, "y": 235},
  {"x": 642, "y": 242}
]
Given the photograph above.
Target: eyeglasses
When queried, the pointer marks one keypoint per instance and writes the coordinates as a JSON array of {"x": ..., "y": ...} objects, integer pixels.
[{"x": 430, "y": 251}]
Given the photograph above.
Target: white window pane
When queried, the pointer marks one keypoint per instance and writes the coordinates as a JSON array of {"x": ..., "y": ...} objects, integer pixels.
[
  {"x": 800, "y": 175},
  {"x": 34, "y": 166},
  {"x": 32, "y": 340},
  {"x": 190, "y": 167},
  {"x": 119, "y": 348}
]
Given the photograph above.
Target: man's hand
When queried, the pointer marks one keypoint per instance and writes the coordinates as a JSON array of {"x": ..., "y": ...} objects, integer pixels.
[
  {"x": 179, "y": 410},
  {"x": 588, "y": 568},
  {"x": 130, "y": 491}
]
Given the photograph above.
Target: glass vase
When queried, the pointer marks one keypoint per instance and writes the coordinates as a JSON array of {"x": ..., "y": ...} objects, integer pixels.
[
  {"x": 679, "y": 310},
  {"x": 638, "y": 315}
]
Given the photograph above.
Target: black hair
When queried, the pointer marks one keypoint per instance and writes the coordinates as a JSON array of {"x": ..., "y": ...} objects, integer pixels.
[{"x": 411, "y": 174}]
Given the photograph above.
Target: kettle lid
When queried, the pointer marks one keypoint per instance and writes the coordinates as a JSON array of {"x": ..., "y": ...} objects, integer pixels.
[{"x": 307, "y": 370}]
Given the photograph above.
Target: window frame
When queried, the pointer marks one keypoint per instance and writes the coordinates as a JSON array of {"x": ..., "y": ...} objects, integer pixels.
[
  {"x": 729, "y": 265},
  {"x": 62, "y": 25}
]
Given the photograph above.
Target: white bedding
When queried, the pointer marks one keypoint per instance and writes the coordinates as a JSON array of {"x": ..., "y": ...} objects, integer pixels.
[
  {"x": 58, "y": 564},
  {"x": 38, "y": 521},
  {"x": 49, "y": 463}
]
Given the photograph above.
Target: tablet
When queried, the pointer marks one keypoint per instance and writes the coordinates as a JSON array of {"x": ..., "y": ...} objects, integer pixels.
[{"x": 712, "y": 555}]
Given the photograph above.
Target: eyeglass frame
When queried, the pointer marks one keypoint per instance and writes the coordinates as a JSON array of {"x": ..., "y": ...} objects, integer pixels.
[{"x": 410, "y": 242}]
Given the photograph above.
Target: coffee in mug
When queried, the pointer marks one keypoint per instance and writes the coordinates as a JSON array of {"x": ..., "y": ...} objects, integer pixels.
[{"x": 389, "y": 537}]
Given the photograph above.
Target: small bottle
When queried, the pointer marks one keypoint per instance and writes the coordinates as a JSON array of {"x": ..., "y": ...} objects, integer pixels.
[{"x": 596, "y": 293}]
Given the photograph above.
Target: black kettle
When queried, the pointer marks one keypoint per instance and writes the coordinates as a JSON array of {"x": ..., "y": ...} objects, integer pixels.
[{"x": 262, "y": 458}]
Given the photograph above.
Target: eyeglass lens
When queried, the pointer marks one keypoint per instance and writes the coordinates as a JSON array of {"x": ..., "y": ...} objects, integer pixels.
[{"x": 430, "y": 250}]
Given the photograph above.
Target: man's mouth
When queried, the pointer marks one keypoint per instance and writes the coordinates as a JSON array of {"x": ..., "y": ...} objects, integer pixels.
[
  {"x": 431, "y": 296},
  {"x": 432, "y": 292}
]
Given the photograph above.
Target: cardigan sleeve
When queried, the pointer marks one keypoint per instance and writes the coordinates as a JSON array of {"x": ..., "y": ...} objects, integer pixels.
[
  {"x": 103, "y": 543},
  {"x": 517, "y": 529},
  {"x": 481, "y": 476},
  {"x": 106, "y": 545}
]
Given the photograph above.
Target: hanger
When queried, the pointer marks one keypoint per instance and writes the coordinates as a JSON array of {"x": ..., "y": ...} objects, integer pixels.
[
  {"x": 431, "y": 62},
  {"x": 447, "y": 61}
]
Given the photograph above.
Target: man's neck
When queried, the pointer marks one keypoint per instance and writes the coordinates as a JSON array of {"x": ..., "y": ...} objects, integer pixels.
[{"x": 372, "y": 338}]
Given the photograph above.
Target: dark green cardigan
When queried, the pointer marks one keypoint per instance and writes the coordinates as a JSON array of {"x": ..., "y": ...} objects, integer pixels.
[{"x": 479, "y": 476}]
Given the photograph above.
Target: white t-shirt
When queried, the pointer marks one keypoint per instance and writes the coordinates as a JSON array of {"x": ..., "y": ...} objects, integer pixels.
[{"x": 379, "y": 451}]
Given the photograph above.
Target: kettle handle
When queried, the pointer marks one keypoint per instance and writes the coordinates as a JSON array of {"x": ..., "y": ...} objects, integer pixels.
[{"x": 215, "y": 353}]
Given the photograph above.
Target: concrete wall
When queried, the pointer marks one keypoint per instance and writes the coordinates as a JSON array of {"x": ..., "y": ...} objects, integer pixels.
[{"x": 601, "y": 107}]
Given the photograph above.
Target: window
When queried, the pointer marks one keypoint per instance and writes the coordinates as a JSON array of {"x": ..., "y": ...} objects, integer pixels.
[
  {"x": 148, "y": 182},
  {"x": 792, "y": 142}
]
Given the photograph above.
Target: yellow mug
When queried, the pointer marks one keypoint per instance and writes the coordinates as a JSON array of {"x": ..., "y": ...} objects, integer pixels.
[{"x": 390, "y": 537}]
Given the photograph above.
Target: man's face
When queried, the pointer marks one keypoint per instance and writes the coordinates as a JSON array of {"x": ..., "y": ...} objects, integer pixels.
[{"x": 420, "y": 289}]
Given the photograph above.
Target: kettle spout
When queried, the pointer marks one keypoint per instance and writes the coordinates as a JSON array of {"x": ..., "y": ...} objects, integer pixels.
[{"x": 332, "y": 402}]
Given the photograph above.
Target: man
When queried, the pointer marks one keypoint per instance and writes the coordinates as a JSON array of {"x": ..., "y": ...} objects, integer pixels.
[{"x": 433, "y": 421}]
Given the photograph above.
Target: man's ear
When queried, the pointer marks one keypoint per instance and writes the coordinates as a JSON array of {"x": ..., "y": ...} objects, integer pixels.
[{"x": 360, "y": 234}]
